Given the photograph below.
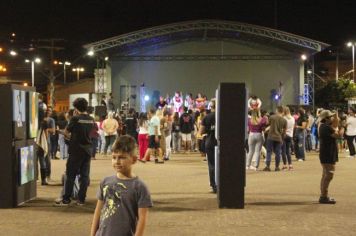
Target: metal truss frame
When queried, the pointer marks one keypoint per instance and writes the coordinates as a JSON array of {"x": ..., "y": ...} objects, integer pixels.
[
  {"x": 202, "y": 57},
  {"x": 310, "y": 79},
  {"x": 205, "y": 26}
]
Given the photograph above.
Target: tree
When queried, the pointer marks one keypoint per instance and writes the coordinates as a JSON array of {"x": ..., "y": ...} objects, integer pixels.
[{"x": 335, "y": 93}]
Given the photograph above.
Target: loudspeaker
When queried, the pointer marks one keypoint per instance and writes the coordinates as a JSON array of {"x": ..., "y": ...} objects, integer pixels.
[{"x": 231, "y": 132}]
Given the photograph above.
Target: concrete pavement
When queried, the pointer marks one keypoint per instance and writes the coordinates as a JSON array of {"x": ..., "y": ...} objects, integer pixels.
[{"x": 277, "y": 203}]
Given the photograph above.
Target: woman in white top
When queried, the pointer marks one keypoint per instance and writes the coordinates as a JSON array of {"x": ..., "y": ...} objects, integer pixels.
[
  {"x": 143, "y": 134},
  {"x": 351, "y": 131},
  {"x": 287, "y": 142}
]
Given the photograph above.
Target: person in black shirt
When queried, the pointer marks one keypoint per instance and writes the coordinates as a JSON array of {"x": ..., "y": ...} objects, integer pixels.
[
  {"x": 186, "y": 127},
  {"x": 110, "y": 104},
  {"x": 79, "y": 150},
  {"x": 131, "y": 124},
  {"x": 300, "y": 133},
  {"x": 103, "y": 101},
  {"x": 161, "y": 103},
  {"x": 328, "y": 155},
  {"x": 208, "y": 127}
]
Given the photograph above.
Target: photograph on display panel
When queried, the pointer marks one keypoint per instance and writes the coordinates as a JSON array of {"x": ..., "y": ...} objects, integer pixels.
[
  {"x": 19, "y": 114},
  {"x": 27, "y": 165},
  {"x": 32, "y": 114}
]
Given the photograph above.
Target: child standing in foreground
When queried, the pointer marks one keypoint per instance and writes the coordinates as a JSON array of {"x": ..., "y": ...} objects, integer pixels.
[{"x": 123, "y": 199}]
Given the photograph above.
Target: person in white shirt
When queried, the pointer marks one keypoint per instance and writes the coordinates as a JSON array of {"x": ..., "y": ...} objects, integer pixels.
[
  {"x": 308, "y": 140},
  {"x": 287, "y": 142},
  {"x": 351, "y": 131}
]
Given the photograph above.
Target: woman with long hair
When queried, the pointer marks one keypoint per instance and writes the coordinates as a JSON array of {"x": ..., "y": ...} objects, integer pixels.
[
  {"x": 300, "y": 133},
  {"x": 256, "y": 126},
  {"x": 287, "y": 142}
]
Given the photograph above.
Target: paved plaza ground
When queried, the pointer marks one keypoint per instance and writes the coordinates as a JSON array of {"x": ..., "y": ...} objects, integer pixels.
[{"x": 277, "y": 203}]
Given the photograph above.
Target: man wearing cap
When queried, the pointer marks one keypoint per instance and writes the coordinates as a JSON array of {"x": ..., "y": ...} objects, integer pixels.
[{"x": 328, "y": 155}]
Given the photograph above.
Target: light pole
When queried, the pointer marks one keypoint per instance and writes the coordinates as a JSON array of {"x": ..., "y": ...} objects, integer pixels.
[
  {"x": 66, "y": 63},
  {"x": 352, "y": 45},
  {"x": 36, "y": 60},
  {"x": 78, "y": 70}
]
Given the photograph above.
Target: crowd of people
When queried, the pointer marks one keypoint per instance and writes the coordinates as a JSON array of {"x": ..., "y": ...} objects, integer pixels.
[
  {"x": 289, "y": 131},
  {"x": 78, "y": 136},
  {"x": 168, "y": 128}
]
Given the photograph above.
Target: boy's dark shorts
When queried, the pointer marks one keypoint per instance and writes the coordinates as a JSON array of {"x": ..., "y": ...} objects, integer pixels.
[{"x": 152, "y": 143}]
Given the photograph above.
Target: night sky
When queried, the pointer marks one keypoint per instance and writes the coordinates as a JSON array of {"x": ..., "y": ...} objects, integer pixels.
[
  {"x": 333, "y": 22},
  {"x": 82, "y": 22}
]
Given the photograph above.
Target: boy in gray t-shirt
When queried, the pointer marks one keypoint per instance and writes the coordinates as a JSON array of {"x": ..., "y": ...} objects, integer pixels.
[{"x": 123, "y": 199}]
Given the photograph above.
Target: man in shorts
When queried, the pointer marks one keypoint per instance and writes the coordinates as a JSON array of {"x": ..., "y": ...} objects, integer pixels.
[
  {"x": 186, "y": 128},
  {"x": 153, "y": 136}
]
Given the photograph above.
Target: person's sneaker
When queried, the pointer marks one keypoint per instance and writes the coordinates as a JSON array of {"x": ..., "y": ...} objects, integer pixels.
[
  {"x": 326, "y": 200},
  {"x": 214, "y": 190},
  {"x": 277, "y": 169},
  {"x": 159, "y": 162},
  {"x": 253, "y": 168},
  {"x": 300, "y": 160},
  {"x": 61, "y": 202},
  {"x": 266, "y": 169},
  {"x": 80, "y": 203},
  {"x": 290, "y": 167},
  {"x": 284, "y": 168},
  {"x": 140, "y": 160}
]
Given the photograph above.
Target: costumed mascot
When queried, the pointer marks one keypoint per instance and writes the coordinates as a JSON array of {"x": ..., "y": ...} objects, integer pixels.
[{"x": 178, "y": 103}]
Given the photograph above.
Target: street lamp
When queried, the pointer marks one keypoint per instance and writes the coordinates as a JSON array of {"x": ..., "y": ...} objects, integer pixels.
[
  {"x": 35, "y": 60},
  {"x": 78, "y": 70},
  {"x": 13, "y": 53},
  {"x": 352, "y": 45},
  {"x": 2, "y": 68},
  {"x": 66, "y": 63}
]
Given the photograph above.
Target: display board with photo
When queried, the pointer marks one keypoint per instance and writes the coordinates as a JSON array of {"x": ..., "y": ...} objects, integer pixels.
[
  {"x": 19, "y": 113},
  {"x": 32, "y": 114},
  {"x": 27, "y": 165}
]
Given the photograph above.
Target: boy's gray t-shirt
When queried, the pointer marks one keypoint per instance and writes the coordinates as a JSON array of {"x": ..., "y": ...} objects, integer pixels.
[{"x": 122, "y": 198}]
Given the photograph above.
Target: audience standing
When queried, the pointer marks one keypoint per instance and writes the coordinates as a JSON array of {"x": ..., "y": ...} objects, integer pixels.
[
  {"x": 110, "y": 126},
  {"x": 186, "y": 127},
  {"x": 256, "y": 126},
  {"x": 351, "y": 131},
  {"x": 277, "y": 129},
  {"x": 287, "y": 141},
  {"x": 328, "y": 154},
  {"x": 80, "y": 146},
  {"x": 208, "y": 127}
]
